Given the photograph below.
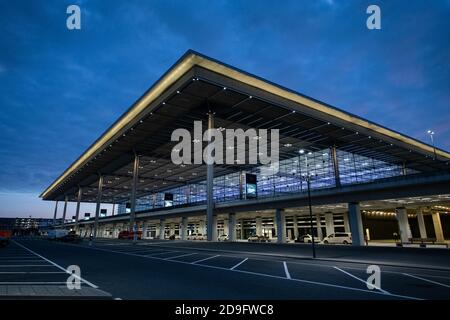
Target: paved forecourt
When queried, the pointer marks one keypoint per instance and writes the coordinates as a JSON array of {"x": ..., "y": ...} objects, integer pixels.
[
  {"x": 168, "y": 270},
  {"x": 27, "y": 274}
]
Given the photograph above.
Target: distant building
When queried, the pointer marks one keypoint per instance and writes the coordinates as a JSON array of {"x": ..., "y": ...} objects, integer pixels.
[{"x": 26, "y": 225}]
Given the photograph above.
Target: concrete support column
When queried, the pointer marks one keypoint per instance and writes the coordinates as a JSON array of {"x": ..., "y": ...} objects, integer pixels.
[
  {"x": 258, "y": 226},
  {"x": 232, "y": 227},
  {"x": 66, "y": 199},
  {"x": 421, "y": 222},
  {"x": 241, "y": 222},
  {"x": 402, "y": 217},
  {"x": 295, "y": 227},
  {"x": 346, "y": 223},
  {"x": 144, "y": 229},
  {"x": 214, "y": 230},
  {"x": 210, "y": 184},
  {"x": 133, "y": 226},
  {"x": 437, "y": 226},
  {"x": 56, "y": 212},
  {"x": 77, "y": 212},
  {"x": 356, "y": 227},
  {"x": 329, "y": 223},
  {"x": 162, "y": 228},
  {"x": 319, "y": 226},
  {"x": 97, "y": 207},
  {"x": 226, "y": 223},
  {"x": 281, "y": 225},
  {"x": 184, "y": 226},
  {"x": 202, "y": 227}
]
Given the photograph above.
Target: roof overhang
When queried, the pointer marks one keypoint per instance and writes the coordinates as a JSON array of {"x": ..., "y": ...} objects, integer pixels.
[{"x": 193, "y": 64}]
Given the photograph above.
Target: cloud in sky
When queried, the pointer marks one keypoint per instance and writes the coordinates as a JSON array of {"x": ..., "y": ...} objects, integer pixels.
[{"x": 60, "y": 89}]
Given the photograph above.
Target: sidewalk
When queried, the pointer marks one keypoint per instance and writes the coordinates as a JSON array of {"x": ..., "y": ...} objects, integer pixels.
[{"x": 51, "y": 292}]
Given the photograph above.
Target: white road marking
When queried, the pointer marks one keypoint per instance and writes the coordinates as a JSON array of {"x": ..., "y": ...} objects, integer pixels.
[
  {"x": 362, "y": 280},
  {"x": 21, "y": 261},
  {"x": 427, "y": 280},
  {"x": 237, "y": 265},
  {"x": 58, "y": 266},
  {"x": 364, "y": 269},
  {"x": 286, "y": 270},
  {"x": 25, "y": 265},
  {"x": 264, "y": 275},
  {"x": 182, "y": 255},
  {"x": 153, "y": 254},
  {"x": 136, "y": 251},
  {"x": 234, "y": 253},
  {"x": 429, "y": 275},
  {"x": 31, "y": 272},
  {"x": 31, "y": 282},
  {"x": 209, "y": 258}
]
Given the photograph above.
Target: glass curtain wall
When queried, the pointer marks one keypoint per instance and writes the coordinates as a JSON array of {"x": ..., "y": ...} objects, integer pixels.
[{"x": 290, "y": 179}]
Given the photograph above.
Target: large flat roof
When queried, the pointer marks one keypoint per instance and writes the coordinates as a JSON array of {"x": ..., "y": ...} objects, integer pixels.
[{"x": 196, "y": 83}]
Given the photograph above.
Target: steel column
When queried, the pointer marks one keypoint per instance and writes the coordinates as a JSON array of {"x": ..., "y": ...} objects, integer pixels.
[
  {"x": 77, "y": 213},
  {"x": 210, "y": 188},
  {"x": 66, "y": 198},
  {"x": 337, "y": 177},
  {"x": 133, "y": 196},
  {"x": 56, "y": 212},
  {"x": 97, "y": 208}
]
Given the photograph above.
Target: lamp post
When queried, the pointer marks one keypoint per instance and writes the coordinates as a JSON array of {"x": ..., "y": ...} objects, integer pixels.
[
  {"x": 431, "y": 134},
  {"x": 308, "y": 182}
]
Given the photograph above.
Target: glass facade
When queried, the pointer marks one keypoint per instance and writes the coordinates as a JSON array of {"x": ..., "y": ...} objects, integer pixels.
[{"x": 290, "y": 179}]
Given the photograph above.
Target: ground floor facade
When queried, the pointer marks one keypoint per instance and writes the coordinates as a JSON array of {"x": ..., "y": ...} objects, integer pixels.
[{"x": 402, "y": 224}]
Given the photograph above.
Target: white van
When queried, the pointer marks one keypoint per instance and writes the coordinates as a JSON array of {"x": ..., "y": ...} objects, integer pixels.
[
  {"x": 338, "y": 237},
  {"x": 56, "y": 233}
]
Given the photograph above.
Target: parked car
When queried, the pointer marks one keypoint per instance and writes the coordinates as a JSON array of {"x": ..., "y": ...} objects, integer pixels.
[
  {"x": 338, "y": 237},
  {"x": 129, "y": 235},
  {"x": 223, "y": 237},
  {"x": 70, "y": 237},
  {"x": 192, "y": 236},
  {"x": 55, "y": 234},
  {"x": 196, "y": 236},
  {"x": 307, "y": 238},
  {"x": 5, "y": 235},
  {"x": 201, "y": 236},
  {"x": 256, "y": 238}
]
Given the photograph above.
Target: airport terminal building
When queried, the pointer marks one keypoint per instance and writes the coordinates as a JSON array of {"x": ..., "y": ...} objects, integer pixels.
[{"x": 359, "y": 177}]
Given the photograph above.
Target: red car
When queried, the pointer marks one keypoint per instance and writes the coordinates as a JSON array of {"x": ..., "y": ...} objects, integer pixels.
[
  {"x": 5, "y": 235},
  {"x": 128, "y": 235}
]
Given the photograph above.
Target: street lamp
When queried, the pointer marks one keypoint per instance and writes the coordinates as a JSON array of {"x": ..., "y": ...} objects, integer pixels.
[
  {"x": 308, "y": 181},
  {"x": 431, "y": 134}
]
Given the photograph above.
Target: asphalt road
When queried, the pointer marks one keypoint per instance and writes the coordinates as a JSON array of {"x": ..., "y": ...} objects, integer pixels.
[{"x": 186, "y": 270}]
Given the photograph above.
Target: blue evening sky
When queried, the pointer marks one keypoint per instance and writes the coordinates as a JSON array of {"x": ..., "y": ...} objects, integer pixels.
[{"x": 60, "y": 89}]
